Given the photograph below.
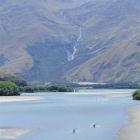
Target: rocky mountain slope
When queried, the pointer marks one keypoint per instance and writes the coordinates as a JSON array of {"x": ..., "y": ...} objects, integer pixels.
[{"x": 71, "y": 40}]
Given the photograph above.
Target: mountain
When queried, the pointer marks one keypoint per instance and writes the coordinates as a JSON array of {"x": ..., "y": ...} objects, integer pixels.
[{"x": 71, "y": 40}]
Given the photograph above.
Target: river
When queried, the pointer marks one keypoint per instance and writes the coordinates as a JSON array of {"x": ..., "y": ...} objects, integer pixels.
[{"x": 58, "y": 114}]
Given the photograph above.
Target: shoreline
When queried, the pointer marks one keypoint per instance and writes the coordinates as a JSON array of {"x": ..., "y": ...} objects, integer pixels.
[
  {"x": 106, "y": 92},
  {"x": 131, "y": 130},
  {"x": 4, "y": 99}
]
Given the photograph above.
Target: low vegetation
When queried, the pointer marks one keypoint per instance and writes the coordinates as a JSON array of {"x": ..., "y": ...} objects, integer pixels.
[
  {"x": 136, "y": 95},
  {"x": 48, "y": 88},
  {"x": 12, "y": 85},
  {"x": 9, "y": 89}
]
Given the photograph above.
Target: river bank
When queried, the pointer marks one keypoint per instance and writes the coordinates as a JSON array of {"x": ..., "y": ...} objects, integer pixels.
[
  {"x": 19, "y": 98},
  {"x": 131, "y": 130}
]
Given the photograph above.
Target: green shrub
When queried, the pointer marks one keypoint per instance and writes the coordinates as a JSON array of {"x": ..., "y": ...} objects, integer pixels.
[
  {"x": 60, "y": 88},
  {"x": 8, "y": 89},
  {"x": 28, "y": 89},
  {"x": 49, "y": 88},
  {"x": 136, "y": 95}
]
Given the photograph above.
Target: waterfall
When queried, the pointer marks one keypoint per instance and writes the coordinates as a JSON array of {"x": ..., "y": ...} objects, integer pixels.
[{"x": 71, "y": 56}]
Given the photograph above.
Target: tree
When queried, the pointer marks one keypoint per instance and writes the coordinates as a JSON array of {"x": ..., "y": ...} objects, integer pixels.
[
  {"x": 136, "y": 95},
  {"x": 9, "y": 89}
]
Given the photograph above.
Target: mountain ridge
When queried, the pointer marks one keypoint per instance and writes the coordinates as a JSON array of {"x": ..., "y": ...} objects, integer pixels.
[{"x": 82, "y": 41}]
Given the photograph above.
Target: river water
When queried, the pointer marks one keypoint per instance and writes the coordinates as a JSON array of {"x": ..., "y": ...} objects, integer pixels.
[{"x": 55, "y": 116}]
